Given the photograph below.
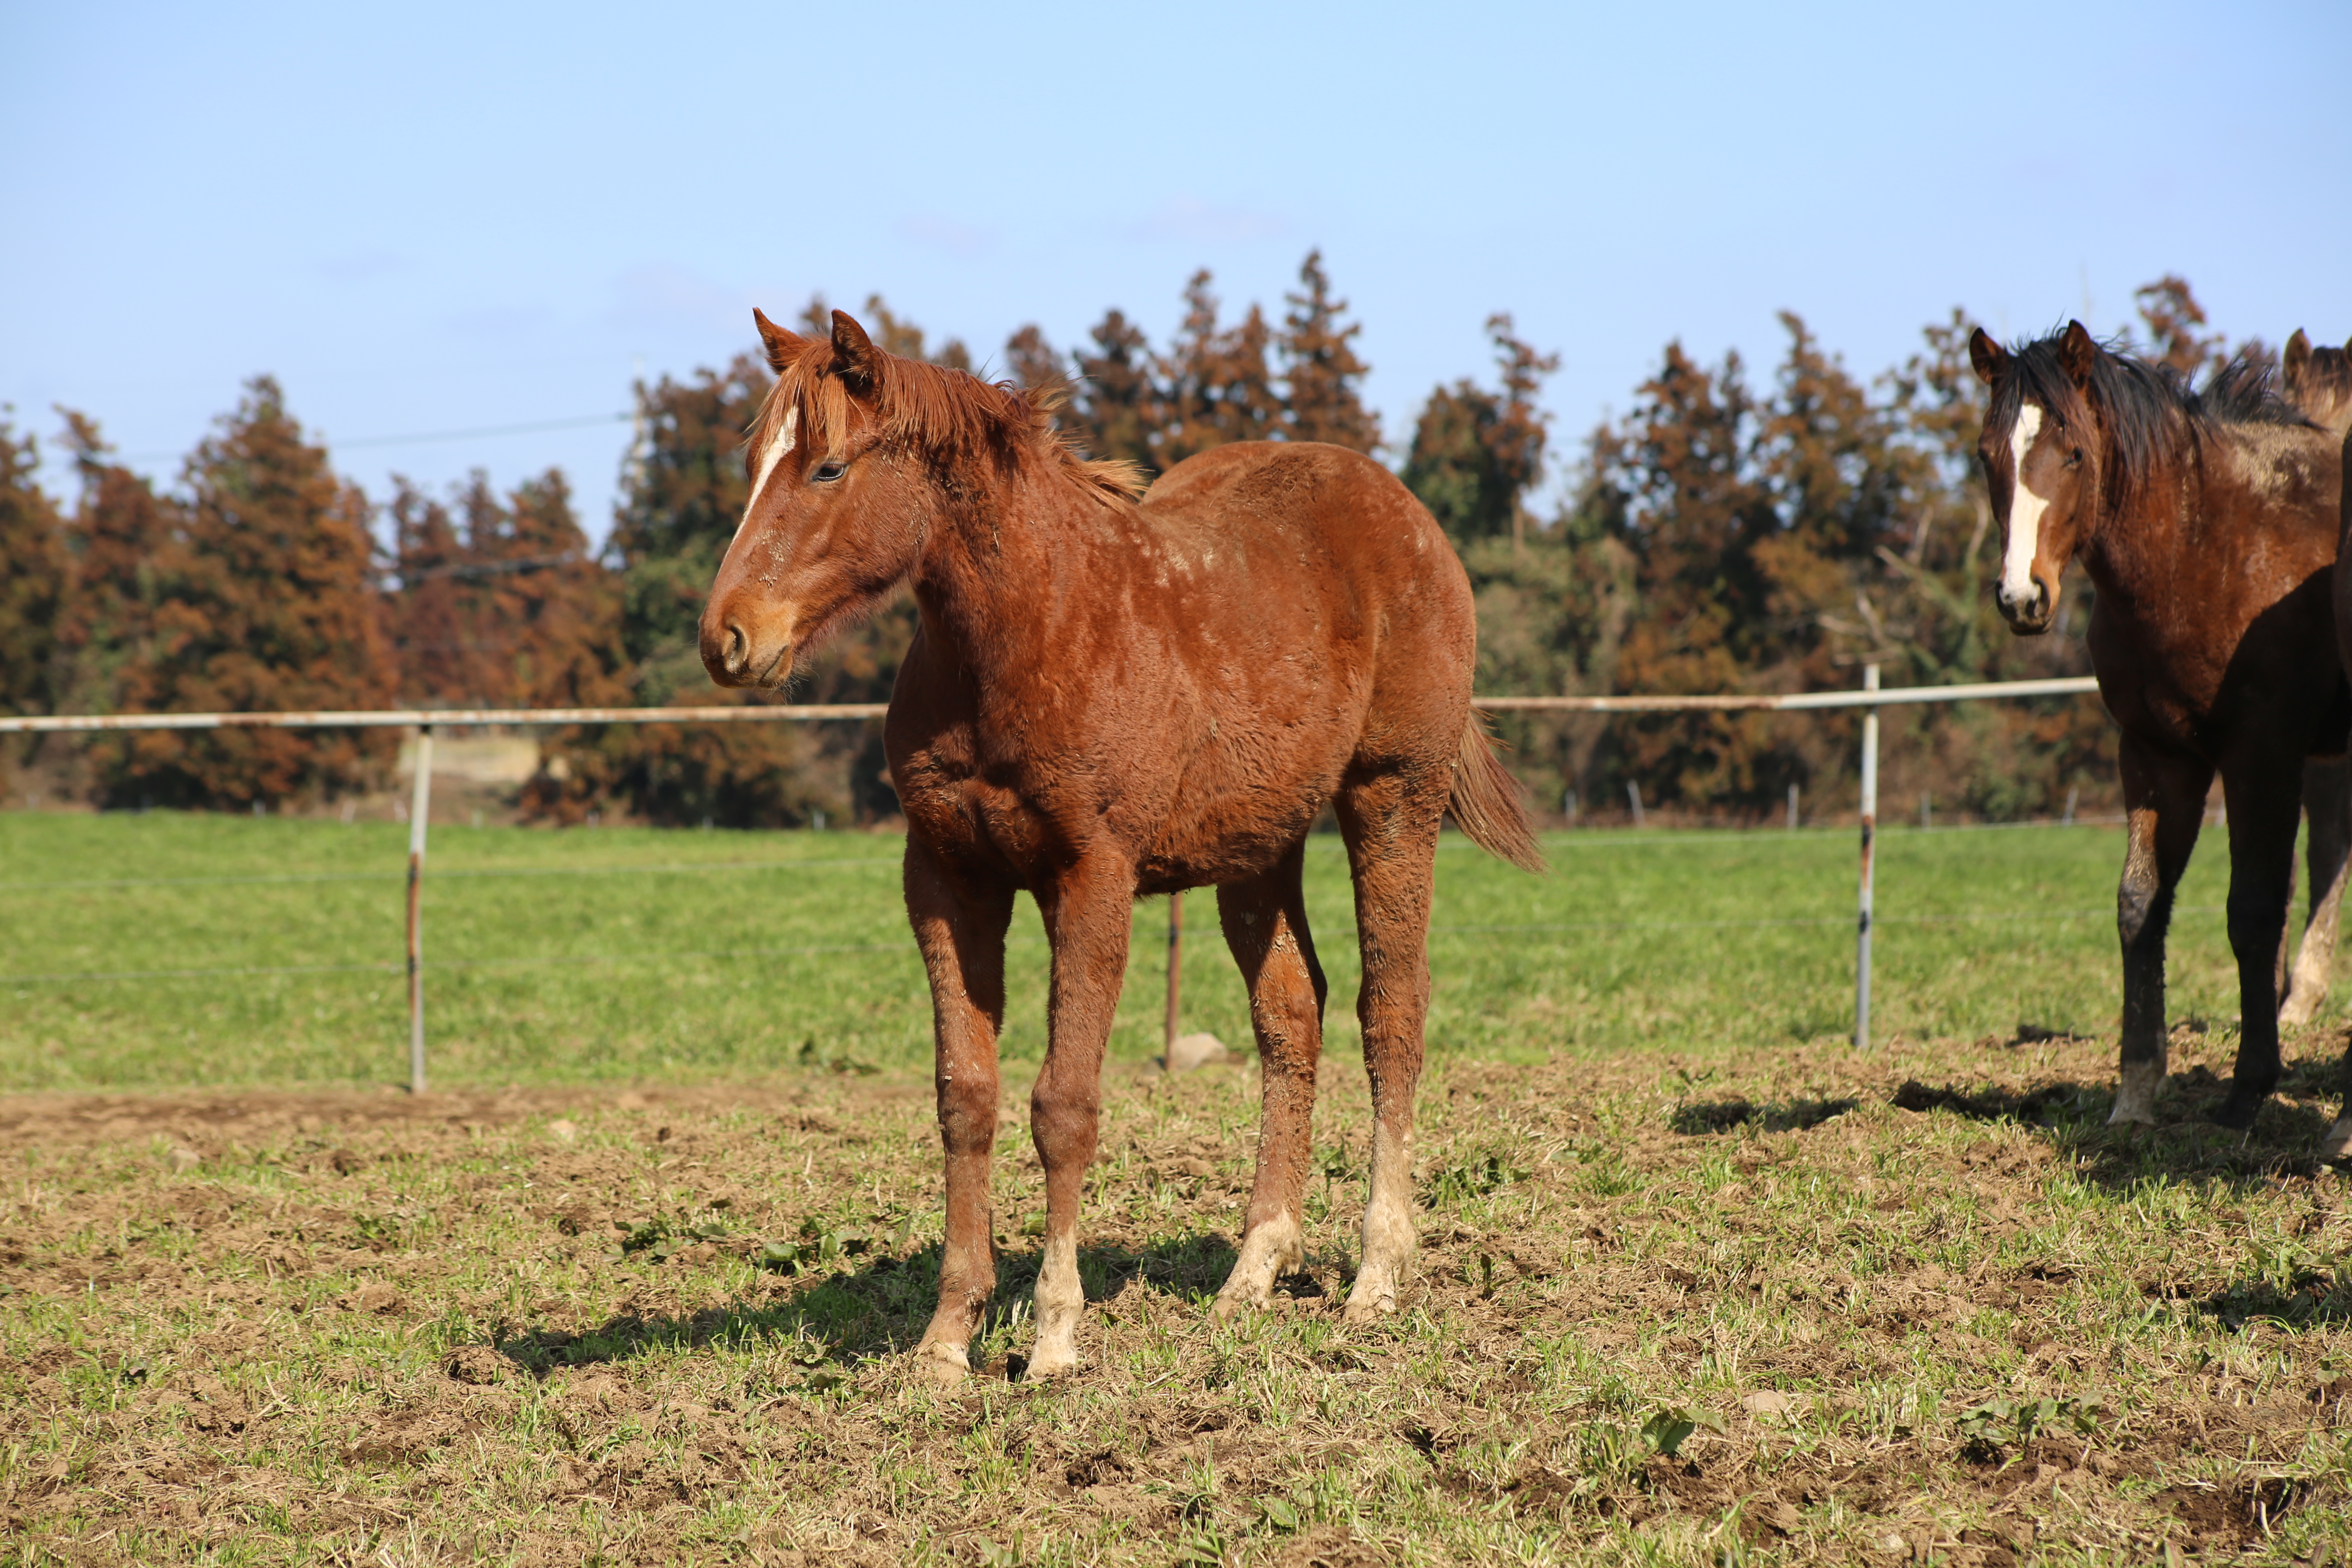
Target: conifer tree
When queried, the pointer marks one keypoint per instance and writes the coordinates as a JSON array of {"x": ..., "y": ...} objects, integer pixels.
[
  {"x": 36, "y": 577},
  {"x": 1219, "y": 386},
  {"x": 1477, "y": 453},
  {"x": 1320, "y": 369},
  {"x": 1117, "y": 409},
  {"x": 268, "y": 607},
  {"x": 428, "y": 632}
]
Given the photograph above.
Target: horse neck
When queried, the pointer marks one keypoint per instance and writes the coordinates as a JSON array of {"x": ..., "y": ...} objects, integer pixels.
[
  {"x": 997, "y": 547},
  {"x": 2132, "y": 548}
]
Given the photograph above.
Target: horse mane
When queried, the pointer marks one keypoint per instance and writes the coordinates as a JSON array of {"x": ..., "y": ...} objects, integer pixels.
[
  {"x": 2151, "y": 410},
  {"x": 949, "y": 416}
]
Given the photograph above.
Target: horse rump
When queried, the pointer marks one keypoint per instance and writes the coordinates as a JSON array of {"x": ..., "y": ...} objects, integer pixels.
[{"x": 1485, "y": 802}]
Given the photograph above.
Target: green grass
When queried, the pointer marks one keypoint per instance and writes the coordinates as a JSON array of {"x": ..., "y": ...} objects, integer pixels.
[{"x": 638, "y": 955}]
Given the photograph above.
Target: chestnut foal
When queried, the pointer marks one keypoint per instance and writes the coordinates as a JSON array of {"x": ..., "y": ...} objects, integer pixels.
[
  {"x": 1110, "y": 697},
  {"x": 2207, "y": 522}
]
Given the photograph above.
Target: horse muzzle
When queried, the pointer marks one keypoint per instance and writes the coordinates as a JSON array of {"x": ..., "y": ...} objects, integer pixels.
[
  {"x": 2029, "y": 614},
  {"x": 740, "y": 650}
]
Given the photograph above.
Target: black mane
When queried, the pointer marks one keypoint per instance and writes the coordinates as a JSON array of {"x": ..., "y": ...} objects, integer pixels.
[{"x": 2151, "y": 409}]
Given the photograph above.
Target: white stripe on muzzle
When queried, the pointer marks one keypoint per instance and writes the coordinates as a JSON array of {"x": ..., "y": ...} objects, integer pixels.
[{"x": 2025, "y": 509}]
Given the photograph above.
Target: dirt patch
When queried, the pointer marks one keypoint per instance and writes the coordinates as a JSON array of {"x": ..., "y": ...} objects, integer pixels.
[{"x": 1807, "y": 1304}]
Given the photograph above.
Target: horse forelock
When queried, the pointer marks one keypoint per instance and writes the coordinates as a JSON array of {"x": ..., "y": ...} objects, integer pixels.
[{"x": 949, "y": 416}]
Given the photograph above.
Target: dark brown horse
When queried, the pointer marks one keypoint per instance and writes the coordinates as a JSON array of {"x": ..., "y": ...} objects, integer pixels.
[
  {"x": 1109, "y": 698},
  {"x": 2207, "y": 521},
  {"x": 2319, "y": 382}
]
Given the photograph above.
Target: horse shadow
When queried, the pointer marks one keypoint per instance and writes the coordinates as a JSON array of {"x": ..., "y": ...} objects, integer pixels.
[
  {"x": 2071, "y": 1116},
  {"x": 878, "y": 1306}
]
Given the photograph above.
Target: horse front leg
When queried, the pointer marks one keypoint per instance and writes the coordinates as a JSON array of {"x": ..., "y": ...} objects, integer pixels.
[
  {"x": 2328, "y": 852},
  {"x": 959, "y": 927},
  {"x": 1390, "y": 825},
  {"x": 2164, "y": 799},
  {"x": 2264, "y": 801},
  {"x": 1088, "y": 916},
  {"x": 1265, "y": 926}
]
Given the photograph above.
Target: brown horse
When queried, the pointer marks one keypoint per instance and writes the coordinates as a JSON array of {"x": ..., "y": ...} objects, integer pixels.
[
  {"x": 2207, "y": 521},
  {"x": 2319, "y": 382},
  {"x": 1109, "y": 698}
]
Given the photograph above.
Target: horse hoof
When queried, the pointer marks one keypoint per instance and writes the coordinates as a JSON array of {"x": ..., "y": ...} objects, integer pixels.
[
  {"x": 1227, "y": 1306},
  {"x": 2336, "y": 1149},
  {"x": 2237, "y": 1112},
  {"x": 941, "y": 1364},
  {"x": 2131, "y": 1116},
  {"x": 1049, "y": 1364}
]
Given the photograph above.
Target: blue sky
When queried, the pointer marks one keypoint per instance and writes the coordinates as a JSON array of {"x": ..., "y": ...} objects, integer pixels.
[{"x": 428, "y": 217}]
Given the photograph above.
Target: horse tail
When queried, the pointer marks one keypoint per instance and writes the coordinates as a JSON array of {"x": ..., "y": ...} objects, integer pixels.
[{"x": 1485, "y": 802}]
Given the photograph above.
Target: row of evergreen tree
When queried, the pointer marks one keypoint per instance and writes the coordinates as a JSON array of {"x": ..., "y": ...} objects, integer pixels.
[{"x": 1721, "y": 536}]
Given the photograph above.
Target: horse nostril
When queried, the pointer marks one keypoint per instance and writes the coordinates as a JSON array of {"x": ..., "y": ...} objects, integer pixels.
[{"x": 738, "y": 649}]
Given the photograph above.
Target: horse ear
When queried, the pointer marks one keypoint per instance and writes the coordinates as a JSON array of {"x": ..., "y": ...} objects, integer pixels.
[
  {"x": 783, "y": 347},
  {"x": 2296, "y": 358},
  {"x": 854, "y": 358},
  {"x": 1988, "y": 357},
  {"x": 2078, "y": 351}
]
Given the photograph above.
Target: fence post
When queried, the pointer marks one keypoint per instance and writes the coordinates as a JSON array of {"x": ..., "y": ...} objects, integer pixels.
[
  {"x": 1634, "y": 793},
  {"x": 1869, "y": 831},
  {"x": 1792, "y": 808},
  {"x": 420, "y": 807},
  {"x": 1175, "y": 972}
]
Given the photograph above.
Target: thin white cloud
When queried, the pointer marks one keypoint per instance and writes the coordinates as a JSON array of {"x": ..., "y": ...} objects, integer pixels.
[{"x": 1197, "y": 219}]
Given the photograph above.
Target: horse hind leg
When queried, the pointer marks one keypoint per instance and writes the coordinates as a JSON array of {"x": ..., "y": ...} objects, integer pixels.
[
  {"x": 2328, "y": 808},
  {"x": 1390, "y": 825},
  {"x": 2262, "y": 870},
  {"x": 1264, "y": 920}
]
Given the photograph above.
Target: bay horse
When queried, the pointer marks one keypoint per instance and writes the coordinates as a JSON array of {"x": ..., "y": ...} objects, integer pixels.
[
  {"x": 2318, "y": 382},
  {"x": 1110, "y": 694},
  {"x": 2207, "y": 522}
]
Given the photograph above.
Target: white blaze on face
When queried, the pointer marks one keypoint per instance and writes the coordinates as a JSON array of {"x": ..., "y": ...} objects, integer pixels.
[
  {"x": 778, "y": 450},
  {"x": 2025, "y": 509}
]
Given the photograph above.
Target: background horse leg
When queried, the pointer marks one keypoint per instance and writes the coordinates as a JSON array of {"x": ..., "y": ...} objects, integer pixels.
[
  {"x": 1266, "y": 925},
  {"x": 1089, "y": 916},
  {"x": 960, "y": 930},
  {"x": 2327, "y": 808},
  {"x": 1390, "y": 825},
  {"x": 2164, "y": 796},
  {"x": 2264, "y": 798}
]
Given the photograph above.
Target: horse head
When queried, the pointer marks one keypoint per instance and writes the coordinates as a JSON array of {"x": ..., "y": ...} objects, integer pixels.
[
  {"x": 2319, "y": 382},
  {"x": 832, "y": 522},
  {"x": 2041, "y": 451}
]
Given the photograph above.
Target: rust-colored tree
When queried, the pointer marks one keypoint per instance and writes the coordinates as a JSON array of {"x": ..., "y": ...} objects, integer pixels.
[
  {"x": 1476, "y": 453},
  {"x": 267, "y": 606},
  {"x": 1322, "y": 375},
  {"x": 34, "y": 583},
  {"x": 1218, "y": 385}
]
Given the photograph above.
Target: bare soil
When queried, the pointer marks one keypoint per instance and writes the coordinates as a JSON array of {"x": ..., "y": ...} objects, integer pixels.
[{"x": 1920, "y": 1306}]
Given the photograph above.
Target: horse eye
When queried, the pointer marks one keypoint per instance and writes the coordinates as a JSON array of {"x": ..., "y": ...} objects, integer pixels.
[
  {"x": 2074, "y": 458},
  {"x": 825, "y": 473}
]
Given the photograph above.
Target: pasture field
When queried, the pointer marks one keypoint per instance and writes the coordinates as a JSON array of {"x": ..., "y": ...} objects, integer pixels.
[
  {"x": 1698, "y": 1284},
  {"x": 616, "y": 954}
]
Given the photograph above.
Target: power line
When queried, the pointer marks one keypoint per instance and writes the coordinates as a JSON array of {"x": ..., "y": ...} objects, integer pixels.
[{"x": 424, "y": 436}]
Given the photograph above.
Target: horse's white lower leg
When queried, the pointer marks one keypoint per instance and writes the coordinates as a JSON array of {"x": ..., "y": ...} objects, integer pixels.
[
  {"x": 1271, "y": 1249},
  {"x": 1061, "y": 1300},
  {"x": 1389, "y": 1237},
  {"x": 2336, "y": 1147},
  {"x": 2136, "y": 1093}
]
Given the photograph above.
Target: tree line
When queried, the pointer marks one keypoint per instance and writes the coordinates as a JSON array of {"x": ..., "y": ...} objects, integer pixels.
[{"x": 1730, "y": 532}]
